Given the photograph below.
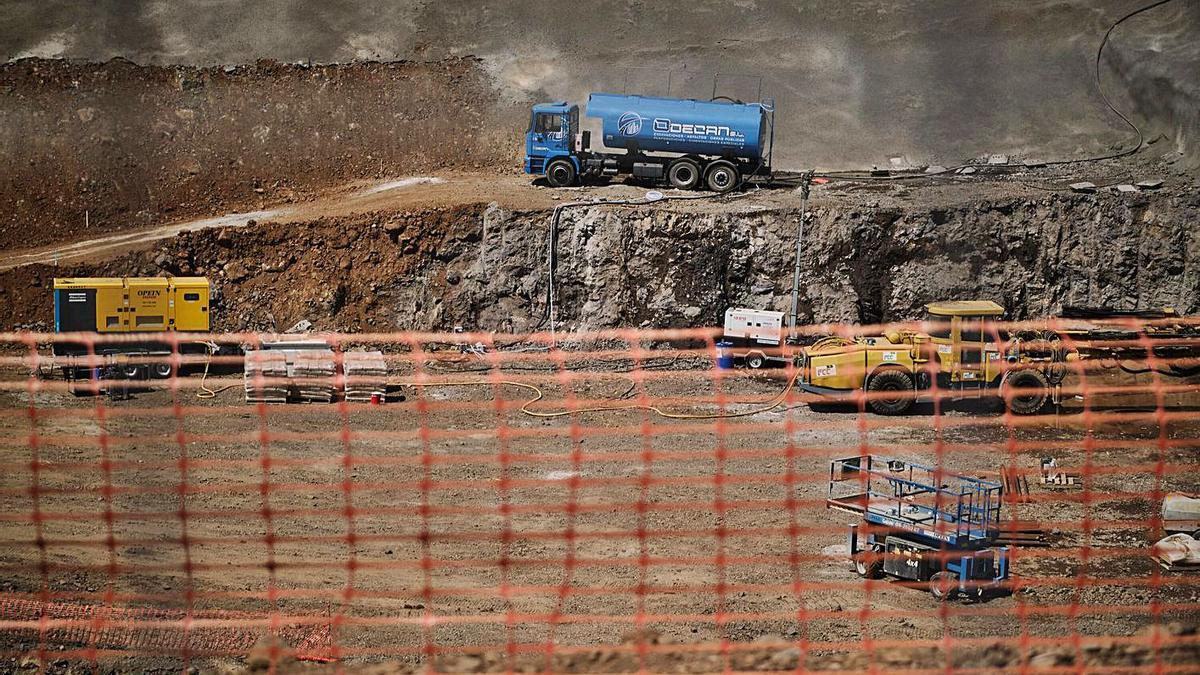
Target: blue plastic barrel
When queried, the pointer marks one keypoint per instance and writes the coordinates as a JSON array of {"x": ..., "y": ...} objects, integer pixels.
[{"x": 724, "y": 355}]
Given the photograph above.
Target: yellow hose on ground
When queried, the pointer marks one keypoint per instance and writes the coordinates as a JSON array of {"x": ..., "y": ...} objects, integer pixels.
[
  {"x": 205, "y": 392},
  {"x": 539, "y": 395}
]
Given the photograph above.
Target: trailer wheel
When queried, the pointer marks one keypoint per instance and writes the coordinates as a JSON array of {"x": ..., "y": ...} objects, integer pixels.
[
  {"x": 722, "y": 176},
  {"x": 869, "y": 565},
  {"x": 943, "y": 585},
  {"x": 756, "y": 360},
  {"x": 891, "y": 392},
  {"x": 560, "y": 173},
  {"x": 1033, "y": 391},
  {"x": 131, "y": 371},
  {"x": 161, "y": 371},
  {"x": 684, "y": 174}
]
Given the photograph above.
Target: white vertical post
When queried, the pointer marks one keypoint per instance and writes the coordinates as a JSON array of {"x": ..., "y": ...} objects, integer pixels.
[{"x": 804, "y": 185}]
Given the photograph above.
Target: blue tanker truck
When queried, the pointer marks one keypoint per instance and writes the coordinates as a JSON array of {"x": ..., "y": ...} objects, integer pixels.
[{"x": 686, "y": 143}]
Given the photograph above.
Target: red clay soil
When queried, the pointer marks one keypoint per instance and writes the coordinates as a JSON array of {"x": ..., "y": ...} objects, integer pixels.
[
  {"x": 118, "y": 145},
  {"x": 332, "y": 271}
]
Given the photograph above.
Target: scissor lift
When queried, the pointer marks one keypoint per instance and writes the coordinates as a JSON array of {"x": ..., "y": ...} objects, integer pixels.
[{"x": 922, "y": 524}]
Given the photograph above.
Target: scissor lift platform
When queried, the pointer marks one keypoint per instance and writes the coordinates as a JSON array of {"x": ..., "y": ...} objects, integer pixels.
[{"x": 921, "y": 523}]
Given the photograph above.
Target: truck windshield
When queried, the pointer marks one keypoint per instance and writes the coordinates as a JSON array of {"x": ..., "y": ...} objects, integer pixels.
[
  {"x": 982, "y": 330},
  {"x": 548, "y": 124},
  {"x": 941, "y": 327}
]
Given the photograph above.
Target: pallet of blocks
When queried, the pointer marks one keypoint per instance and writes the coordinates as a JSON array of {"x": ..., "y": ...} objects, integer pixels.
[
  {"x": 366, "y": 375},
  {"x": 313, "y": 375},
  {"x": 1052, "y": 477},
  {"x": 265, "y": 377}
]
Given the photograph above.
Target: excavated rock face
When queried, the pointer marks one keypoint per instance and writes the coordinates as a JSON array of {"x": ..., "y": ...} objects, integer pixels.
[
  {"x": 868, "y": 264},
  {"x": 483, "y": 268}
]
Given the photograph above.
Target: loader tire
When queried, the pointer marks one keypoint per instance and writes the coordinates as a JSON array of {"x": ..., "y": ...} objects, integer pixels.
[
  {"x": 890, "y": 392},
  {"x": 1027, "y": 391}
]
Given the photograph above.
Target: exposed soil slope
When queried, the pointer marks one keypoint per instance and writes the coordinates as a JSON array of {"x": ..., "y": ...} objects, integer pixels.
[
  {"x": 856, "y": 81},
  {"x": 97, "y": 148}
]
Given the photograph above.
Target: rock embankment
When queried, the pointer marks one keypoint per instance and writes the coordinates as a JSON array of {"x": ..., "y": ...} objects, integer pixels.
[{"x": 482, "y": 267}]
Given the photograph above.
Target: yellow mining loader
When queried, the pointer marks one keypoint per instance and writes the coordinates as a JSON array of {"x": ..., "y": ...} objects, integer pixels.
[{"x": 969, "y": 356}]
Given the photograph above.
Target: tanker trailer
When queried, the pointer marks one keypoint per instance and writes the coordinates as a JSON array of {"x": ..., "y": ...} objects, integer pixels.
[{"x": 685, "y": 143}]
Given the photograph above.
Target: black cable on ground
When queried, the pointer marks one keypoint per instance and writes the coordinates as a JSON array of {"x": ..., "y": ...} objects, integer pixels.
[
  {"x": 1141, "y": 139},
  {"x": 851, "y": 174}
]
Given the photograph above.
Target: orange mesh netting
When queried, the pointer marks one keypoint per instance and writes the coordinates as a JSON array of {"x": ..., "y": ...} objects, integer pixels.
[{"x": 613, "y": 501}]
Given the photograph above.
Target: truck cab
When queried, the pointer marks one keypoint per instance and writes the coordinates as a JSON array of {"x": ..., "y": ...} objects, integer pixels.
[
  {"x": 552, "y": 129},
  {"x": 968, "y": 351}
]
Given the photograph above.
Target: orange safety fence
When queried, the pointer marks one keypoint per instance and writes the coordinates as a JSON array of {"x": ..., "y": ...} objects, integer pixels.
[{"x": 614, "y": 501}]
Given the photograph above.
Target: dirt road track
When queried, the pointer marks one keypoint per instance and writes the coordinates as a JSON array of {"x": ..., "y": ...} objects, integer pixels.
[
  {"x": 128, "y": 241},
  {"x": 351, "y": 199},
  {"x": 508, "y": 190}
]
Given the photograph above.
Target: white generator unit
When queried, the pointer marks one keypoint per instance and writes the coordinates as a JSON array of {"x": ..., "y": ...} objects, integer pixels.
[{"x": 756, "y": 335}]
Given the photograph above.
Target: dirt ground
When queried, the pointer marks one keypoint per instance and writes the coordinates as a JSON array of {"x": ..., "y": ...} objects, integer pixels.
[
  {"x": 98, "y": 148},
  {"x": 856, "y": 82},
  {"x": 124, "y": 118},
  {"x": 356, "y": 165},
  {"x": 703, "y": 534}
]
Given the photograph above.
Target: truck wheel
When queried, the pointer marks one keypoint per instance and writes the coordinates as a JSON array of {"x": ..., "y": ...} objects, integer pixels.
[
  {"x": 943, "y": 585},
  {"x": 684, "y": 174},
  {"x": 756, "y": 361},
  {"x": 131, "y": 371},
  {"x": 891, "y": 392},
  {"x": 560, "y": 173},
  {"x": 1032, "y": 391},
  {"x": 161, "y": 371},
  {"x": 722, "y": 176}
]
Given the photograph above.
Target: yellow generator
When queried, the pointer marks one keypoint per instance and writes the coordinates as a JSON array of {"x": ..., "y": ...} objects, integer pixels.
[{"x": 137, "y": 307}]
